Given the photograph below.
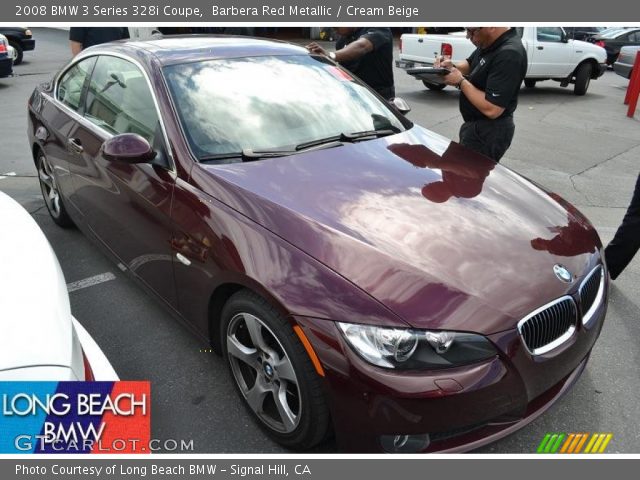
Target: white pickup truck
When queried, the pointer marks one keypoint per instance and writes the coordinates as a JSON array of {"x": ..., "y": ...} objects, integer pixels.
[{"x": 551, "y": 55}]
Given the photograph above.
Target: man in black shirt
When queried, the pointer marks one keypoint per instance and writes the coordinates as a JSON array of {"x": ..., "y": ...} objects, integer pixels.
[
  {"x": 85, "y": 37},
  {"x": 489, "y": 82},
  {"x": 626, "y": 241},
  {"x": 367, "y": 53}
]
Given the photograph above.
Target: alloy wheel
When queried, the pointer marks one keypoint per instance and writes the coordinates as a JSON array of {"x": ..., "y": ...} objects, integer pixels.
[
  {"x": 49, "y": 187},
  {"x": 264, "y": 372}
]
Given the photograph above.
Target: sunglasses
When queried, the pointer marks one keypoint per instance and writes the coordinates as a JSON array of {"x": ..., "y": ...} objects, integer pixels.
[{"x": 472, "y": 31}]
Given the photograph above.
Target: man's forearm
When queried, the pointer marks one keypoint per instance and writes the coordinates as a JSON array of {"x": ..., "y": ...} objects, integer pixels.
[
  {"x": 463, "y": 66},
  {"x": 354, "y": 50}
]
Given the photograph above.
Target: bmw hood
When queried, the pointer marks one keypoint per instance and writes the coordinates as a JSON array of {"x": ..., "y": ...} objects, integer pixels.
[
  {"x": 36, "y": 317},
  {"x": 442, "y": 236}
]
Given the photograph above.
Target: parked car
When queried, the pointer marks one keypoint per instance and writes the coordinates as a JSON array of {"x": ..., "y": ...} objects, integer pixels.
[
  {"x": 550, "y": 53},
  {"x": 582, "y": 33},
  {"x": 6, "y": 59},
  {"x": 40, "y": 339},
  {"x": 358, "y": 272},
  {"x": 21, "y": 39},
  {"x": 626, "y": 60},
  {"x": 613, "y": 39}
]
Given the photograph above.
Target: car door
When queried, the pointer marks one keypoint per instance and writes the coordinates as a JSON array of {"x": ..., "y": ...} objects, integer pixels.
[
  {"x": 61, "y": 121},
  {"x": 550, "y": 57},
  {"x": 127, "y": 206}
]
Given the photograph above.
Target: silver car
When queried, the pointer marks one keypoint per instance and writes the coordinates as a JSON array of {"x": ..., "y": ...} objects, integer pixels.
[{"x": 624, "y": 63}]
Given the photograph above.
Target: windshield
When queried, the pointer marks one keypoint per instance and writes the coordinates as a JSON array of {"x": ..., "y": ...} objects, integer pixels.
[{"x": 270, "y": 103}]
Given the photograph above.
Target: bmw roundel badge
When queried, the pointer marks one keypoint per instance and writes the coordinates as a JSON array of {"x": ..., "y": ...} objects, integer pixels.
[{"x": 562, "y": 273}]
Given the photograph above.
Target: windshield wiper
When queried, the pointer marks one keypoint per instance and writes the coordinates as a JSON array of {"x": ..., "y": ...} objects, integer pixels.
[
  {"x": 348, "y": 137},
  {"x": 249, "y": 155}
]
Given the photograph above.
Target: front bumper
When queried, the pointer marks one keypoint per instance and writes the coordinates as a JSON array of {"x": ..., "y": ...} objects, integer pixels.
[
  {"x": 623, "y": 69},
  {"x": 6, "y": 67},
  {"x": 28, "y": 43},
  {"x": 461, "y": 408}
]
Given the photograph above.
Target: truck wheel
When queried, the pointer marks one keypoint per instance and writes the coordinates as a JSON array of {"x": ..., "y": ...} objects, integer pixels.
[
  {"x": 17, "y": 56},
  {"x": 529, "y": 82},
  {"x": 583, "y": 77},
  {"x": 434, "y": 86}
]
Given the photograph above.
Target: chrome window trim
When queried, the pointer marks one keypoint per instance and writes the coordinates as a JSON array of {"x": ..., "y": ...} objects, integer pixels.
[
  {"x": 558, "y": 341},
  {"x": 588, "y": 316},
  {"x": 86, "y": 122},
  {"x": 90, "y": 125}
]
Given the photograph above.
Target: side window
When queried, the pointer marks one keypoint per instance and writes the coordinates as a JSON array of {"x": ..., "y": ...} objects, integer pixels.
[
  {"x": 549, "y": 34},
  {"x": 71, "y": 83},
  {"x": 634, "y": 37},
  {"x": 119, "y": 99}
]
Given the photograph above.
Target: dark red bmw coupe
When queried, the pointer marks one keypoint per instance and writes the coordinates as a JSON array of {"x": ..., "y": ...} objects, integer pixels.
[{"x": 359, "y": 273}]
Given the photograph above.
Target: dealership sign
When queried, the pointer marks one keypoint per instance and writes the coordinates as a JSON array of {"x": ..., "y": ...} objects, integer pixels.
[{"x": 75, "y": 417}]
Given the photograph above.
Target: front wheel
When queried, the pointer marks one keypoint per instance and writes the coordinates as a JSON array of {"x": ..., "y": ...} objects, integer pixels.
[
  {"x": 583, "y": 78},
  {"x": 51, "y": 193},
  {"x": 273, "y": 372}
]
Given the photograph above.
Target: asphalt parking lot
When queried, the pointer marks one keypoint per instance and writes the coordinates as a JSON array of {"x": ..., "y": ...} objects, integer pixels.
[{"x": 584, "y": 148}]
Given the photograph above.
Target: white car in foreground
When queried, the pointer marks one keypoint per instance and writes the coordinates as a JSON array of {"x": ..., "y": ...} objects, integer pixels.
[{"x": 40, "y": 339}]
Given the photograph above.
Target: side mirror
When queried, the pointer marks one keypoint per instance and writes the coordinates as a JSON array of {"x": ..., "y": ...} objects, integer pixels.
[
  {"x": 128, "y": 148},
  {"x": 401, "y": 105}
]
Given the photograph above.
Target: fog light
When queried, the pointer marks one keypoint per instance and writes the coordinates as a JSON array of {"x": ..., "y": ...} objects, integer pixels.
[{"x": 405, "y": 443}]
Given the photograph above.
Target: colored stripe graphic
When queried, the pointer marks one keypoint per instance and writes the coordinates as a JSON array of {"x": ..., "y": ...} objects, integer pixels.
[
  {"x": 584, "y": 438},
  {"x": 607, "y": 439},
  {"x": 544, "y": 442},
  {"x": 574, "y": 442},
  {"x": 556, "y": 446},
  {"x": 567, "y": 442}
]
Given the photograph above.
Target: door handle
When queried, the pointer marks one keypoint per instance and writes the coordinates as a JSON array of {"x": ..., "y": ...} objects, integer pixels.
[
  {"x": 540, "y": 47},
  {"x": 74, "y": 145},
  {"x": 420, "y": 40}
]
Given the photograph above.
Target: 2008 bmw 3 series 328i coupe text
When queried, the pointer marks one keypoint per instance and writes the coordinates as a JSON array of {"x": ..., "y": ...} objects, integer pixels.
[{"x": 360, "y": 274}]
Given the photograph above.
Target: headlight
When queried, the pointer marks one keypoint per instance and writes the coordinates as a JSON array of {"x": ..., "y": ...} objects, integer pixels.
[
  {"x": 27, "y": 33},
  {"x": 408, "y": 349}
]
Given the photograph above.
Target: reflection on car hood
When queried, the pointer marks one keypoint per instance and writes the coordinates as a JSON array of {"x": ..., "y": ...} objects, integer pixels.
[
  {"x": 444, "y": 237},
  {"x": 36, "y": 318}
]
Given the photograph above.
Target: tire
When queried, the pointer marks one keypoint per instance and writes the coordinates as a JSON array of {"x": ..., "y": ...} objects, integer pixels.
[
  {"x": 583, "y": 78},
  {"x": 50, "y": 193},
  {"x": 436, "y": 87},
  {"x": 260, "y": 348},
  {"x": 530, "y": 82},
  {"x": 17, "y": 58}
]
